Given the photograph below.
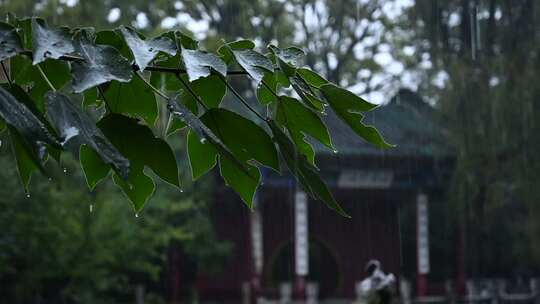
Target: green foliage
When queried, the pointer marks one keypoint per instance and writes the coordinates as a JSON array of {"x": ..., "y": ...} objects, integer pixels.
[
  {"x": 64, "y": 245},
  {"x": 191, "y": 82}
]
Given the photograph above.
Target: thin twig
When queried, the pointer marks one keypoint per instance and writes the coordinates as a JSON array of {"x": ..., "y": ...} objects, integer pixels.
[
  {"x": 242, "y": 99},
  {"x": 45, "y": 77},
  {"x": 6, "y": 73},
  {"x": 100, "y": 91},
  {"x": 152, "y": 87},
  {"x": 197, "y": 98}
]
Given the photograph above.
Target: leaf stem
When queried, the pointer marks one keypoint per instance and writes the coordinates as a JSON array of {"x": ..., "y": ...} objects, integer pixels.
[
  {"x": 45, "y": 77},
  {"x": 151, "y": 86},
  {"x": 197, "y": 98},
  {"x": 241, "y": 98},
  {"x": 269, "y": 89},
  {"x": 6, "y": 74}
]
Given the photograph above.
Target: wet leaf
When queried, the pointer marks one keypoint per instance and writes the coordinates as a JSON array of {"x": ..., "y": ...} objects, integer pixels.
[
  {"x": 253, "y": 143},
  {"x": 49, "y": 43},
  {"x": 301, "y": 121},
  {"x": 144, "y": 51},
  {"x": 142, "y": 150},
  {"x": 304, "y": 172},
  {"x": 10, "y": 42},
  {"x": 27, "y": 76},
  {"x": 348, "y": 107},
  {"x": 266, "y": 93},
  {"x": 210, "y": 89},
  {"x": 311, "y": 77},
  {"x": 19, "y": 116},
  {"x": 225, "y": 50},
  {"x": 76, "y": 128},
  {"x": 202, "y": 155},
  {"x": 93, "y": 166},
  {"x": 288, "y": 59},
  {"x": 255, "y": 63},
  {"x": 244, "y": 182},
  {"x": 291, "y": 55},
  {"x": 200, "y": 64},
  {"x": 234, "y": 165},
  {"x": 306, "y": 93},
  {"x": 134, "y": 98},
  {"x": 27, "y": 161},
  {"x": 101, "y": 63}
]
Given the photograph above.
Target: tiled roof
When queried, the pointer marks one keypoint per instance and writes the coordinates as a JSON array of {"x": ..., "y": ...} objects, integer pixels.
[{"x": 406, "y": 121}]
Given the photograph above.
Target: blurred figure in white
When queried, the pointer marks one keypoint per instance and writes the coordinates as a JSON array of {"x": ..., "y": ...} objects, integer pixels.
[{"x": 377, "y": 288}]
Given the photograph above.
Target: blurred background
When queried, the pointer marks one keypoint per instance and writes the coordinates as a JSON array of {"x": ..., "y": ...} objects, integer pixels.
[{"x": 452, "y": 211}]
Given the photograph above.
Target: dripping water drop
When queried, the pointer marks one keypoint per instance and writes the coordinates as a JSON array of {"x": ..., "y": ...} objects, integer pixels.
[
  {"x": 65, "y": 170},
  {"x": 181, "y": 190},
  {"x": 136, "y": 215},
  {"x": 335, "y": 151},
  {"x": 27, "y": 195},
  {"x": 203, "y": 140},
  {"x": 91, "y": 207}
]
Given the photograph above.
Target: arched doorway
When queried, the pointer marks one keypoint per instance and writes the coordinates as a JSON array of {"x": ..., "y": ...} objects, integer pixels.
[{"x": 323, "y": 267}]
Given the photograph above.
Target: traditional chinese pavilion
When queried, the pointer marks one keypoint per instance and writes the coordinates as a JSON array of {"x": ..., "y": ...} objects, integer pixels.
[{"x": 290, "y": 238}]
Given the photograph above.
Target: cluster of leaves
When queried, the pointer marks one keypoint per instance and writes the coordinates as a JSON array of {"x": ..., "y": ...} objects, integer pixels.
[{"x": 127, "y": 75}]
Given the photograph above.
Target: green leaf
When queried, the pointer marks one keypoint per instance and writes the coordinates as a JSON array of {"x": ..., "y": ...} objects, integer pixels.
[
  {"x": 90, "y": 98},
  {"x": 348, "y": 107},
  {"x": 312, "y": 78},
  {"x": 255, "y": 63},
  {"x": 10, "y": 42},
  {"x": 166, "y": 81},
  {"x": 114, "y": 39},
  {"x": 301, "y": 121},
  {"x": 142, "y": 150},
  {"x": 19, "y": 116},
  {"x": 49, "y": 43},
  {"x": 200, "y": 64},
  {"x": 210, "y": 89},
  {"x": 186, "y": 41},
  {"x": 266, "y": 94},
  {"x": 102, "y": 63},
  {"x": 225, "y": 50},
  {"x": 76, "y": 128},
  {"x": 144, "y": 51},
  {"x": 243, "y": 182},
  {"x": 225, "y": 153},
  {"x": 305, "y": 173},
  {"x": 133, "y": 98},
  {"x": 93, "y": 167},
  {"x": 138, "y": 189},
  {"x": 27, "y": 161},
  {"x": 288, "y": 59},
  {"x": 306, "y": 93},
  {"x": 24, "y": 29},
  {"x": 202, "y": 155},
  {"x": 291, "y": 55},
  {"x": 29, "y": 77},
  {"x": 243, "y": 137}
]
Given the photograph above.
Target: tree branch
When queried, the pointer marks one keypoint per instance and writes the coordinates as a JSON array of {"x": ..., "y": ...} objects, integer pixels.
[{"x": 152, "y": 68}]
